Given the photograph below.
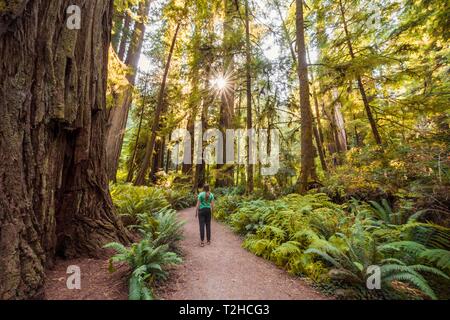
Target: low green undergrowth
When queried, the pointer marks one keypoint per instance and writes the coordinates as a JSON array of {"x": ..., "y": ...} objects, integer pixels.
[
  {"x": 132, "y": 201},
  {"x": 147, "y": 262},
  {"x": 338, "y": 245},
  {"x": 151, "y": 212},
  {"x": 180, "y": 198},
  {"x": 162, "y": 227},
  {"x": 418, "y": 170}
]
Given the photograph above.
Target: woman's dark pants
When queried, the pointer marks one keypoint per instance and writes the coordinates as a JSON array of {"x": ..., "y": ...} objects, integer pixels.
[{"x": 204, "y": 218}]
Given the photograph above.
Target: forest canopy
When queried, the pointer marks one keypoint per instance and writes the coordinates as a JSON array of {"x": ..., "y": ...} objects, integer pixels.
[{"x": 377, "y": 89}]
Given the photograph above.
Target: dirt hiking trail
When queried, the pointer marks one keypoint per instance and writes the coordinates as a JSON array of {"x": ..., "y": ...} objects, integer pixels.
[{"x": 224, "y": 270}]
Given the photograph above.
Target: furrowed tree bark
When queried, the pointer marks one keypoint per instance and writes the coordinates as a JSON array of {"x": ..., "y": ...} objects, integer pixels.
[
  {"x": 118, "y": 115},
  {"x": 168, "y": 155},
  {"x": 307, "y": 155},
  {"x": 162, "y": 153},
  {"x": 140, "y": 179},
  {"x": 159, "y": 149},
  {"x": 320, "y": 149},
  {"x": 337, "y": 147},
  {"x": 321, "y": 41},
  {"x": 356, "y": 133},
  {"x": 156, "y": 161},
  {"x": 207, "y": 100},
  {"x": 54, "y": 196}
]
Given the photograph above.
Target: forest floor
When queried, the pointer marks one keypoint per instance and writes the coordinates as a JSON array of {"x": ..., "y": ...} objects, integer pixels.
[
  {"x": 222, "y": 271},
  {"x": 97, "y": 283}
]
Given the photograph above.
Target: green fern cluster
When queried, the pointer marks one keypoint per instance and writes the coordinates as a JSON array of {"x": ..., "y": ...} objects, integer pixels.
[
  {"x": 229, "y": 191},
  {"x": 181, "y": 198},
  {"x": 282, "y": 230},
  {"x": 428, "y": 234},
  {"x": 415, "y": 252},
  {"x": 170, "y": 228},
  {"x": 147, "y": 261},
  {"x": 309, "y": 235},
  {"x": 226, "y": 206},
  {"x": 131, "y": 201},
  {"x": 250, "y": 216},
  {"x": 161, "y": 230}
]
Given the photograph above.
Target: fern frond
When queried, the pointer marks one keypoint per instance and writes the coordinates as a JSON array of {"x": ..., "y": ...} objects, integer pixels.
[
  {"x": 325, "y": 256},
  {"x": 417, "y": 215},
  {"x": 428, "y": 269},
  {"x": 134, "y": 290},
  {"x": 389, "y": 269},
  {"x": 410, "y": 247},
  {"x": 418, "y": 281},
  {"x": 118, "y": 247},
  {"x": 393, "y": 261},
  {"x": 439, "y": 257},
  {"x": 430, "y": 235},
  {"x": 380, "y": 211}
]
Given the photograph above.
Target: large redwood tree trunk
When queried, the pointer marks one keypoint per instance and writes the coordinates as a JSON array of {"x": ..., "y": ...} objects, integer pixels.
[{"x": 54, "y": 196}]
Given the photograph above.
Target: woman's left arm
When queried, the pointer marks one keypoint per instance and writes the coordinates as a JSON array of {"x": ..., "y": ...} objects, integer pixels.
[{"x": 196, "y": 208}]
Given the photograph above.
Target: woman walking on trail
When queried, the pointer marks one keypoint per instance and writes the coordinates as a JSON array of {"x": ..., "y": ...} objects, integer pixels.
[{"x": 205, "y": 206}]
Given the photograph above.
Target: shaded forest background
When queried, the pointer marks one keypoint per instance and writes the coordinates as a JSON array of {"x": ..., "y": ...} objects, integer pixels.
[{"x": 377, "y": 90}]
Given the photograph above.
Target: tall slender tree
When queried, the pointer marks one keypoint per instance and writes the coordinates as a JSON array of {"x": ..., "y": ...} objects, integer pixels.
[
  {"x": 307, "y": 149},
  {"x": 361, "y": 88},
  {"x": 149, "y": 149},
  {"x": 118, "y": 115},
  {"x": 144, "y": 95},
  {"x": 316, "y": 122},
  {"x": 228, "y": 93},
  {"x": 125, "y": 36},
  {"x": 248, "y": 77},
  {"x": 194, "y": 95}
]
